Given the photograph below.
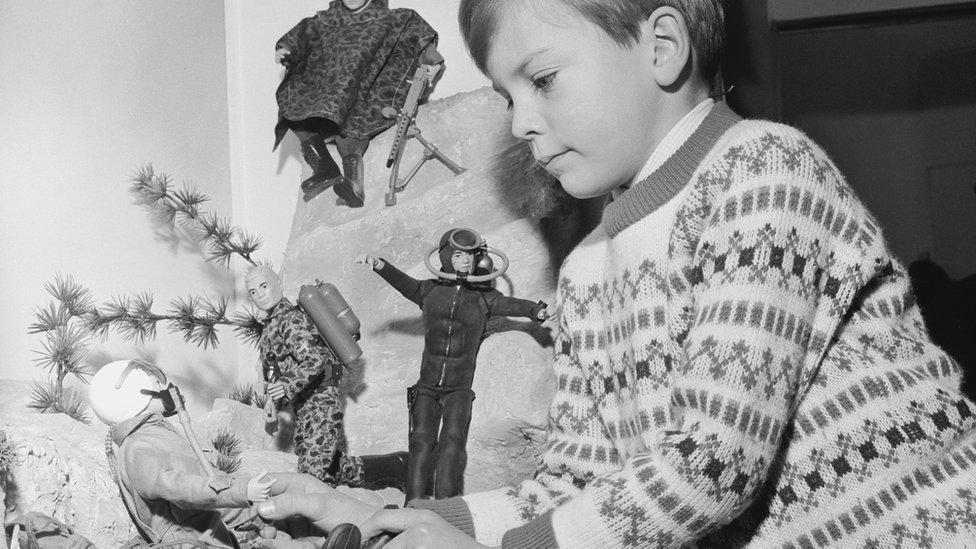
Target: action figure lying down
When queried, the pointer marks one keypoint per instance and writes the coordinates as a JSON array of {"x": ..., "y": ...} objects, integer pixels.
[{"x": 173, "y": 494}]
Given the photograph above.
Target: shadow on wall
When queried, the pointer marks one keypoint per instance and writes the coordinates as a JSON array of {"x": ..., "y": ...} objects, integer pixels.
[{"x": 529, "y": 191}]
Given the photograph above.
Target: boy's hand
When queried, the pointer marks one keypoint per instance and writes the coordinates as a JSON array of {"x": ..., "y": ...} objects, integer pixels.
[
  {"x": 325, "y": 508},
  {"x": 275, "y": 390},
  {"x": 417, "y": 529},
  {"x": 259, "y": 490}
]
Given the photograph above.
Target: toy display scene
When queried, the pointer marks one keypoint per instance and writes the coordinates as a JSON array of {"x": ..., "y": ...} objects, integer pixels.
[{"x": 363, "y": 274}]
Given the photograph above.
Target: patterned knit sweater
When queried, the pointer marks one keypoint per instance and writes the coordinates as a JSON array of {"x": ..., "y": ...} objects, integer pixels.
[{"x": 740, "y": 362}]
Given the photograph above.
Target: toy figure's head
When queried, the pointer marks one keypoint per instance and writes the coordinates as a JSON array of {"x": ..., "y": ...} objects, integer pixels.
[
  {"x": 461, "y": 251},
  {"x": 263, "y": 287},
  {"x": 126, "y": 388},
  {"x": 356, "y": 5}
]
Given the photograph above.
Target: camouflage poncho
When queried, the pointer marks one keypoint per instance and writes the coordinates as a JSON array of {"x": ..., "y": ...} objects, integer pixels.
[{"x": 345, "y": 67}]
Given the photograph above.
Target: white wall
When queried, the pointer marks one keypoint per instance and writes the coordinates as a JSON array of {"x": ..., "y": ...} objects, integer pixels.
[
  {"x": 266, "y": 184},
  {"x": 91, "y": 90}
]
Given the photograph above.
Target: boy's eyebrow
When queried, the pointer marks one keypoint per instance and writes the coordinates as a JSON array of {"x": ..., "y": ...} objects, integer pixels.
[{"x": 529, "y": 57}]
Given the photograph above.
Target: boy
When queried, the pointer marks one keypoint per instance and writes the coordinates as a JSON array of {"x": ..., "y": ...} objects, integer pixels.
[{"x": 739, "y": 359}]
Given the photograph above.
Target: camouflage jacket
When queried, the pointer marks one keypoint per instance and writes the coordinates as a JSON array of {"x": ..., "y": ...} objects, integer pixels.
[{"x": 293, "y": 352}]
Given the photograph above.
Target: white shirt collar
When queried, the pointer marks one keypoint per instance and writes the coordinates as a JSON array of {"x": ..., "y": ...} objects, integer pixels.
[{"x": 676, "y": 136}]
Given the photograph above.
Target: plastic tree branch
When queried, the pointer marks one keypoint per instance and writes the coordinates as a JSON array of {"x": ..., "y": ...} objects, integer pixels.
[{"x": 168, "y": 206}]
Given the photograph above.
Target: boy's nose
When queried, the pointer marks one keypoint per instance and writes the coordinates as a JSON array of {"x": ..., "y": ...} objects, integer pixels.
[{"x": 526, "y": 122}]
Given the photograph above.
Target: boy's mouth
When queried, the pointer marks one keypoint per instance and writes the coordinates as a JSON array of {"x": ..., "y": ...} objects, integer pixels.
[{"x": 544, "y": 161}]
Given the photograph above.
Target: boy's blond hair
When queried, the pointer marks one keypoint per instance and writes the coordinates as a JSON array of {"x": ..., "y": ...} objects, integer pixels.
[{"x": 619, "y": 19}]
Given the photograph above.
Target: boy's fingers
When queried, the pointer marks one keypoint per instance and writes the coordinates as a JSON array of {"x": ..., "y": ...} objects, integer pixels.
[
  {"x": 393, "y": 520},
  {"x": 311, "y": 506}
]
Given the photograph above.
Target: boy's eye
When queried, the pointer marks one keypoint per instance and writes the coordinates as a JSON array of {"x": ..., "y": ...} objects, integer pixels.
[{"x": 544, "y": 82}]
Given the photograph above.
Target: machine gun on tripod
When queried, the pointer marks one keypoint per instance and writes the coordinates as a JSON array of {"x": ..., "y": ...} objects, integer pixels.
[{"x": 406, "y": 128}]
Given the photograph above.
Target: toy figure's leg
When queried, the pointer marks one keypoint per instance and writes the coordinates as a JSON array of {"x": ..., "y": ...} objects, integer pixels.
[
  {"x": 325, "y": 171},
  {"x": 351, "y": 189},
  {"x": 311, "y": 459},
  {"x": 451, "y": 454},
  {"x": 425, "y": 418},
  {"x": 322, "y": 438},
  {"x": 385, "y": 471}
]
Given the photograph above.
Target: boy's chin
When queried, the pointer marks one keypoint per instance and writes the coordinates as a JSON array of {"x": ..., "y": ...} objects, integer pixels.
[{"x": 583, "y": 188}]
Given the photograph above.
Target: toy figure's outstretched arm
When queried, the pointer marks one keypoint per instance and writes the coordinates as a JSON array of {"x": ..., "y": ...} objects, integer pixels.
[
  {"x": 312, "y": 357},
  {"x": 501, "y": 305},
  {"x": 152, "y": 476},
  {"x": 408, "y": 286}
]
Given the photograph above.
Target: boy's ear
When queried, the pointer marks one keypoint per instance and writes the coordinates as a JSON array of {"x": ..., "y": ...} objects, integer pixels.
[{"x": 671, "y": 45}]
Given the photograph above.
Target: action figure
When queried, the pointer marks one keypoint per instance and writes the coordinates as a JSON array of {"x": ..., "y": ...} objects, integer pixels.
[
  {"x": 344, "y": 65},
  {"x": 456, "y": 308},
  {"x": 172, "y": 492},
  {"x": 300, "y": 367}
]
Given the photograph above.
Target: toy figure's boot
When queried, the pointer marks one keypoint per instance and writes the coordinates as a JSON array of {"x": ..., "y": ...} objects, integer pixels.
[
  {"x": 351, "y": 188},
  {"x": 385, "y": 471},
  {"x": 325, "y": 171}
]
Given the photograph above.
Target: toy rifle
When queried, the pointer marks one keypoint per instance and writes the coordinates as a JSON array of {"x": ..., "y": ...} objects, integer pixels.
[
  {"x": 406, "y": 128},
  {"x": 271, "y": 407}
]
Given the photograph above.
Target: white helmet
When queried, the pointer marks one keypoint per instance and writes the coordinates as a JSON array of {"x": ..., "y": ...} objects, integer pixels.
[{"x": 119, "y": 390}]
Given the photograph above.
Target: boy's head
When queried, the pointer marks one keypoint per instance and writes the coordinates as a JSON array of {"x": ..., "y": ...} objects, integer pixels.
[{"x": 594, "y": 85}]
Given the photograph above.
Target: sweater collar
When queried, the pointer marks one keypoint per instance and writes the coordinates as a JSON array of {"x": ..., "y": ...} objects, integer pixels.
[{"x": 647, "y": 195}]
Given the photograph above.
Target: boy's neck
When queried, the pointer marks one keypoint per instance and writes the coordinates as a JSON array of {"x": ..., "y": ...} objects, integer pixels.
[{"x": 673, "y": 109}]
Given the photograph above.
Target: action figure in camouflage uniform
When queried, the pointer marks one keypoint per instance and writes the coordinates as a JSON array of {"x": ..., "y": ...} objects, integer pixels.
[
  {"x": 345, "y": 65},
  {"x": 306, "y": 373}
]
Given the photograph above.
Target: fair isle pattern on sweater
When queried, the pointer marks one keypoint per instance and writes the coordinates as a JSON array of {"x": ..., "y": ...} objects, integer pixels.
[{"x": 740, "y": 361}]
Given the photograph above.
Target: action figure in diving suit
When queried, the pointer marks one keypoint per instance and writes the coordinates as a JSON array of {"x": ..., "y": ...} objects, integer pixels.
[{"x": 456, "y": 308}]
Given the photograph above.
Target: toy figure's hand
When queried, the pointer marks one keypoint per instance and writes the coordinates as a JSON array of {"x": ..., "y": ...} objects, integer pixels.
[
  {"x": 543, "y": 313},
  {"x": 259, "y": 490},
  {"x": 416, "y": 528},
  {"x": 281, "y": 54},
  {"x": 432, "y": 71},
  {"x": 275, "y": 390},
  {"x": 370, "y": 261},
  {"x": 430, "y": 56}
]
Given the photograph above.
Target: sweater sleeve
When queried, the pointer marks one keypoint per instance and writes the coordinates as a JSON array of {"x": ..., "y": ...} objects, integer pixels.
[{"x": 762, "y": 279}]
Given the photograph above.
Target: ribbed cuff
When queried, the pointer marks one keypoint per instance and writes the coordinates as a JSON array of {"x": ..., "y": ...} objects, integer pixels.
[
  {"x": 536, "y": 534},
  {"x": 453, "y": 510}
]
